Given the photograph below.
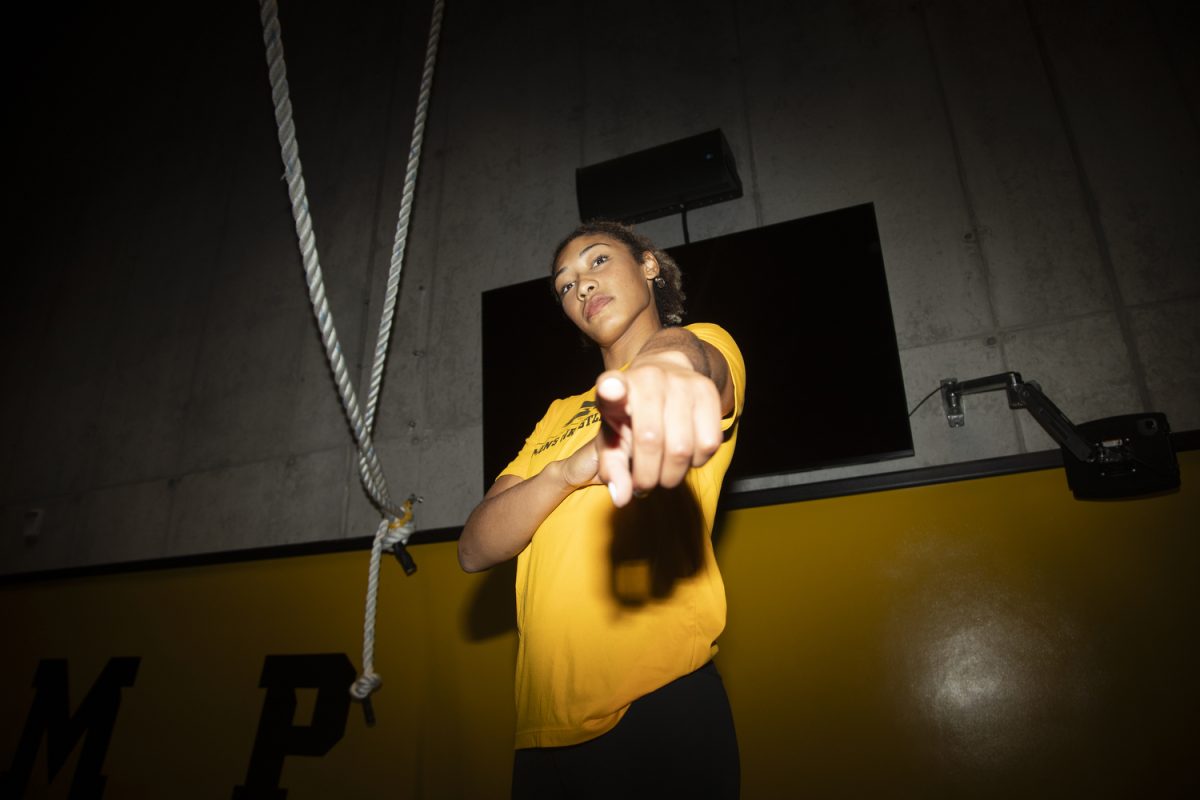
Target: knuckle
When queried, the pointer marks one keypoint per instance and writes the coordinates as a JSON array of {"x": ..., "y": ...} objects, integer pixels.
[
  {"x": 648, "y": 436},
  {"x": 679, "y": 451}
]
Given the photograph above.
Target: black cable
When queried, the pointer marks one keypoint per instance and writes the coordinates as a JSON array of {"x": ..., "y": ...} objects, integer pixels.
[{"x": 923, "y": 399}]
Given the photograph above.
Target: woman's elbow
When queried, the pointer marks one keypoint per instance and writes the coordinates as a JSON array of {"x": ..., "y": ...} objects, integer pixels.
[
  {"x": 470, "y": 567},
  {"x": 468, "y": 560}
]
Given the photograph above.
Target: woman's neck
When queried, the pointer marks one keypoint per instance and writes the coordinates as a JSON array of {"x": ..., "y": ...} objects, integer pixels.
[{"x": 630, "y": 343}]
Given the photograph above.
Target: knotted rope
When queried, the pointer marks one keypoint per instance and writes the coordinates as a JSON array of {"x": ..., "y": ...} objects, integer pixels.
[{"x": 396, "y": 525}]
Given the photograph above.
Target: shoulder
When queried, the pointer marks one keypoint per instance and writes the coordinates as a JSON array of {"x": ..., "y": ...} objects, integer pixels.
[
  {"x": 709, "y": 332},
  {"x": 719, "y": 338},
  {"x": 716, "y": 338}
]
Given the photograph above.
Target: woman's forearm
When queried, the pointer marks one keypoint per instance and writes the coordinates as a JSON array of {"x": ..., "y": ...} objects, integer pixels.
[{"x": 503, "y": 524}]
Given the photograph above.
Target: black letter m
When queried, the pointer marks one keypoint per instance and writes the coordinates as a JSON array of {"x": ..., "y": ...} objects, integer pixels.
[{"x": 50, "y": 718}]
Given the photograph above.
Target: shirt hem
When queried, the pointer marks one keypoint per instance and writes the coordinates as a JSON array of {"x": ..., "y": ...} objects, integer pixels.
[{"x": 566, "y": 737}]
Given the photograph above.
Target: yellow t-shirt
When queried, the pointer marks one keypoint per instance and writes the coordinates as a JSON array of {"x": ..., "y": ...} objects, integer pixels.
[{"x": 615, "y": 603}]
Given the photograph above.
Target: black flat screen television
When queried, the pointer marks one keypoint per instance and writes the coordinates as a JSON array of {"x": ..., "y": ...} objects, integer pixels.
[{"x": 807, "y": 302}]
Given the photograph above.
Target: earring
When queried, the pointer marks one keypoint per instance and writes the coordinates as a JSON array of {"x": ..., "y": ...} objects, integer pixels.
[{"x": 659, "y": 282}]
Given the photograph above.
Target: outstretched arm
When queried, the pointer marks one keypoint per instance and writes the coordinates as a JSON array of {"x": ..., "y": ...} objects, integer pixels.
[{"x": 662, "y": 415}]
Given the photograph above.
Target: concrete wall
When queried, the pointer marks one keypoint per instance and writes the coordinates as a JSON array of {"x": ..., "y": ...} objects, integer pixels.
[{"x": 1034, "y": 167}]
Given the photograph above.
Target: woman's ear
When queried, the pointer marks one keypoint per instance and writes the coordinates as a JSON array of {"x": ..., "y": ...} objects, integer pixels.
[{"x": 650, "y": 267}]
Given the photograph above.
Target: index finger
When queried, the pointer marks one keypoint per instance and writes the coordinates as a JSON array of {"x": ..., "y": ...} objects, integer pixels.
[{"x": 612, "y": 394}]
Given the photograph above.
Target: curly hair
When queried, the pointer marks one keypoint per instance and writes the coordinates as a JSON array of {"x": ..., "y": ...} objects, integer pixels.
[{"x": 668, "y": 299}]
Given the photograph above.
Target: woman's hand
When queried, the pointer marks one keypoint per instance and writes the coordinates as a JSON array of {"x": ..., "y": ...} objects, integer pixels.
[
  {"x": 660, "y": 418},
  {"x": 581, "y": 468}
]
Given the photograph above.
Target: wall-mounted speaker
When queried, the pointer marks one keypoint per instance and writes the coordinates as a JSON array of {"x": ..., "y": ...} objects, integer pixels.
[{"x": 667, "y": 179}]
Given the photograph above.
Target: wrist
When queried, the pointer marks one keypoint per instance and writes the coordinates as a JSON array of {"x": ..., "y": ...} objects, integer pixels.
[{"x": 553, "y": 473}]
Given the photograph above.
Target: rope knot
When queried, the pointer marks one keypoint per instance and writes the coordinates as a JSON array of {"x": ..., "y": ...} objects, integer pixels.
[
  {"x": 401, "y": 528},
  {"x": 397, "y": 534},
  {"x": 366, "y": 685}
]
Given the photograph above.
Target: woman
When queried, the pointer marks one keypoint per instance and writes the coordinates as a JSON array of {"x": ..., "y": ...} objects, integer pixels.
[{"x": 608, "y": 508}]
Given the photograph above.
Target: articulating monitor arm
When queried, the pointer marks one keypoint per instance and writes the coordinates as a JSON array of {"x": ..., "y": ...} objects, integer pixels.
[
  {"x": 1123, "y": 456},
  {"x": 1020, "y": 395}
]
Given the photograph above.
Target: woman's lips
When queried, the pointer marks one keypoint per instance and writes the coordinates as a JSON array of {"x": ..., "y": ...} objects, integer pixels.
[{"x": 595, "y": 305}]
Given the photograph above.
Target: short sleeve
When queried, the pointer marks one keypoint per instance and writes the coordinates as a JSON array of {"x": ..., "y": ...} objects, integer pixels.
[
  {"x": 520, "y": 466},
  {"x": 719, "y": 338}
]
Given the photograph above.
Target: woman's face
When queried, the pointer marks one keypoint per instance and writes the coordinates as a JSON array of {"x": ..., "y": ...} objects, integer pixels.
[{"x": 604, "y": 290}]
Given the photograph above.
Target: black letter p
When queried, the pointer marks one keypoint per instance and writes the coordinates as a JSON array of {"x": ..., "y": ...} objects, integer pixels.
[{"x": 331, "y": 675}]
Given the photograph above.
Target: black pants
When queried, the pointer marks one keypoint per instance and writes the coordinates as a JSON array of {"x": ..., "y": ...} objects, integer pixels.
[{"x": 677, "y": 741}]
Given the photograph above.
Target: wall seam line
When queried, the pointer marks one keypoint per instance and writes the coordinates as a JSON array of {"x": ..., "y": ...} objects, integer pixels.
[
  {"x": 442, "y": 113},
  {"x": 202, "y": 337},
  {"x": 972, "y": 215},
  {"x": 364, "y": 328},
  {"x": 1172, "y": 66},
  {"x": 1092, "y": 207},
  {"x": 755, "y": 196}
]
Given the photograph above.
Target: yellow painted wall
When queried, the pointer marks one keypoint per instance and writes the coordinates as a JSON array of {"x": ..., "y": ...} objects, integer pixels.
[{"x": 991, "y": 637}]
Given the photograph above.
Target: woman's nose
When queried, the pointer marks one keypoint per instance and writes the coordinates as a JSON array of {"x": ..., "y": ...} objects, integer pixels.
[{"x": 586, "y": 287}]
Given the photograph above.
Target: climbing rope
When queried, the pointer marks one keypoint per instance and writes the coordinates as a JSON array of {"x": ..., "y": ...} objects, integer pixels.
[{"x": 396, "y": 525}]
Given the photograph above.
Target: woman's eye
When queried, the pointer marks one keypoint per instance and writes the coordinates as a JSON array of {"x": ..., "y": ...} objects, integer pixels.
[
  {"x": 566, "y": 288},
  {"x": 599, "y": 260}
]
